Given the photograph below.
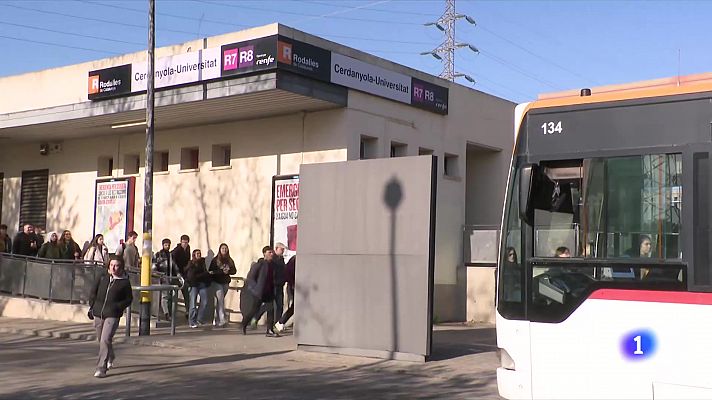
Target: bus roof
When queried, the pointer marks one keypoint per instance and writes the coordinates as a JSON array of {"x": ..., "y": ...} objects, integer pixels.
[{"x": 637, "y": 90}]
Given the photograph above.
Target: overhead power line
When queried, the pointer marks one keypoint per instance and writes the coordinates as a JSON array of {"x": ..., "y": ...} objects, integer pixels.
[
  {"x": 57, "y": 45},
  {"x": 106, "y": 21},
  {"x": 143, "y": 12},
  {"x": 381, "y": 10},
  {"x": 547, "y": 60},
  {"x": 244, "y": 7},
  {"x": 70, "y": 33}
]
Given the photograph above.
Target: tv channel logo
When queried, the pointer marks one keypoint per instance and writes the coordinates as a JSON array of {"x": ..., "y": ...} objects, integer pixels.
[
  {"x": 284, "y": 52},
  {"x": 238, "y": 58}
]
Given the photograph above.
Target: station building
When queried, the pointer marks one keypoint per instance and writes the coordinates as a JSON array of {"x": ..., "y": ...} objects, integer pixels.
[{"x": 232, "y": 113}]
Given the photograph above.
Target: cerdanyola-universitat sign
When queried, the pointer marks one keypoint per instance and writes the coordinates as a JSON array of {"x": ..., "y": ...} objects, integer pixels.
[{"x": 268, "y": 54}]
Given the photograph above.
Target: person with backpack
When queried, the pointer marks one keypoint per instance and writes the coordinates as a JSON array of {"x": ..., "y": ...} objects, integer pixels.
[
  {"x": 129, "y": 252},
  {"x": 97, "y": 251}
]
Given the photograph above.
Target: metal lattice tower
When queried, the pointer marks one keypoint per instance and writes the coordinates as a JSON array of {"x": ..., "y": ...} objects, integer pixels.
[{"x": 446, "y": 51}]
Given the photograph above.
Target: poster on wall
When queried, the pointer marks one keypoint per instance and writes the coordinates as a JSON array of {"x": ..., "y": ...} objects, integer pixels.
[
  {"x": 113, "y": 210},
  {"x": 285, "y": 210}
]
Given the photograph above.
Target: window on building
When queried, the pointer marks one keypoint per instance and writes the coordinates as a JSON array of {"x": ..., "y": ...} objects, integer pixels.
[
  {"x": 33, "y": 198},
  {"x": 221, "y": 155},
  {"x": 160, "y": 161},
  {"x": 399, "y": 149},
  {"x": 368, "y": 148},
  {"x": 189, "y": 158},
  {"x": 105, "y": 166},
  {"x": 422, "y": 151},
  {"x": 131, "y": 164},
  {"x": 451, "y": 165}
]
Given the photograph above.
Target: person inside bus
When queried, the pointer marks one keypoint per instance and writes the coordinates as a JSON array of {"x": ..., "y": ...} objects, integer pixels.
[
  {"x": 511, "y": 274},
  {"x": 562, "y": 252}
]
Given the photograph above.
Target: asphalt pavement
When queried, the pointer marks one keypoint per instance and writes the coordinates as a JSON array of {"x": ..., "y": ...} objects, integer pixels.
[{"x": 55, "y": 360}]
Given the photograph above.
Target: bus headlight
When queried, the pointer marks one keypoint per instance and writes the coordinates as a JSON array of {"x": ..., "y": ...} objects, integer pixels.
[{"x": 505, "y": 359}]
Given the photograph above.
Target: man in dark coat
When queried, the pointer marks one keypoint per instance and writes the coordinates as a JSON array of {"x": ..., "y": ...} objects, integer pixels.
[
  {"x": 26, "y": 242},
  {"x": 181, "y": 255},
  {"x": 259, "y": 289}
]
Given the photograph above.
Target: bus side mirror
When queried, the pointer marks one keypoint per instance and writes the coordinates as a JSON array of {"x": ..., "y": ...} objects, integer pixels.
[{"x": 526, "y": 206}]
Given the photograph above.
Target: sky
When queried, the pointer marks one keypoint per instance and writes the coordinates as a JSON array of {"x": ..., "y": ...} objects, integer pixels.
[{"x": 525, "y": 47}]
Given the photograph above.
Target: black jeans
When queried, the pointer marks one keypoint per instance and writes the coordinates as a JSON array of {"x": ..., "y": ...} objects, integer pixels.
[
  {"x": 290, "y": 311},
  {"x": 278, "y": 302}
]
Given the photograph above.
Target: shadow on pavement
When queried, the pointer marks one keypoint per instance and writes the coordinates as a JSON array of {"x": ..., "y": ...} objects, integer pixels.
[{"x": 453, "y": 343}]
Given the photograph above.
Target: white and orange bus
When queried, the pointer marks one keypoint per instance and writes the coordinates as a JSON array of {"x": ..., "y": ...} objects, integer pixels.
[{"x": 604, "y": 286}]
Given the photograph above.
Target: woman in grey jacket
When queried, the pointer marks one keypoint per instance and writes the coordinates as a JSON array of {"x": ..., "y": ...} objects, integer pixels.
[{"x": 108, "y": 299}]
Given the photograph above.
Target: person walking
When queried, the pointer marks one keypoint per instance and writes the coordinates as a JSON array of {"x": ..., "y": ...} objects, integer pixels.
[
  {"x": 278, "y": 265},
  {"x": 164, "y": 263},
  {"x": 108, "y": 299},
  {"x": 289, "y": 274},
  {"x": 129, "y": 252},
  {"x": 5, "y": 241},
  {"x": 97, "y": 251},
  {"x": 51, "y": 249},
  {"x": 181, "y": 255},
  {"x": 198, "y": 280},
  {"x": 69, "y": 248},
  {"x": 258, "y": 290},
  {"x": 221, "y": 267}
]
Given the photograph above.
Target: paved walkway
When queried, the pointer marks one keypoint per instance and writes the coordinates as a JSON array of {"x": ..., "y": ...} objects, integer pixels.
[{"x": 49, "y": 359}]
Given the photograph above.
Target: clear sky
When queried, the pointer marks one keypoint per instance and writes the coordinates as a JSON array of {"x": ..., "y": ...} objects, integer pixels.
[{"x": 526, "y": 47}]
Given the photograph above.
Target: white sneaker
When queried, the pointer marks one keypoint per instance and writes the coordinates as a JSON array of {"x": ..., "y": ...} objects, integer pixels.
[
  {"x": 110, "y": 365},
  {"x": 99, "y": 374},
  {"x": 278, "y": 327}
]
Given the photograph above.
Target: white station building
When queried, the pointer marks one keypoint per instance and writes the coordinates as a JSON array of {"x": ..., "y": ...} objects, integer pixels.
[{"x": 232, "y": 113}]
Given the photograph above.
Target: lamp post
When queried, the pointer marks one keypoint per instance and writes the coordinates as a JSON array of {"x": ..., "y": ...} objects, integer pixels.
[{"x": 144, "y": 327}]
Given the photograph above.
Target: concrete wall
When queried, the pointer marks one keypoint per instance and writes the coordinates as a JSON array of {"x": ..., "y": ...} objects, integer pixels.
[
  {"x": 363, "y": 274},
  {"x": 473, "y": 196},
  {"x": 211, "y": 205}
]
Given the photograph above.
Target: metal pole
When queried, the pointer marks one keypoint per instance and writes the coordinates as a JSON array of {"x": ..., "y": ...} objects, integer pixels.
[
  {"x": 174, "y": 292},
  {"x": 145, "y": 309}
]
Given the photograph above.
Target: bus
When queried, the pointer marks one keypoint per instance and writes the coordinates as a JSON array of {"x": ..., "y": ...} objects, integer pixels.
[{"x": 604, "y": 279}]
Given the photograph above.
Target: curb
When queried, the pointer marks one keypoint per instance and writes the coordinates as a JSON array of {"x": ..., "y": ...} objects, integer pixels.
[{"x": 87, "y": 337}]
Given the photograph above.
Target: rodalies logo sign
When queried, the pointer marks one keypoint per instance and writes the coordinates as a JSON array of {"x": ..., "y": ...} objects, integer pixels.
[{"x": 110, "y": 82}]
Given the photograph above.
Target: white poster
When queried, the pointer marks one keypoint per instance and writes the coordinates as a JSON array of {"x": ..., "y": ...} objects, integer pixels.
[
  {"x": 368, "y": 78},
  {"x": 286, "y": 211},
  {"x": 179, "y": 69},
  {"x": 110, "y": 217}
]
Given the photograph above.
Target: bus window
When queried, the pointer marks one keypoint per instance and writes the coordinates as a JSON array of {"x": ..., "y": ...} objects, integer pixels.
[
  {"x": 511, "y": 274},
  {"x": 610, "y": 207}
]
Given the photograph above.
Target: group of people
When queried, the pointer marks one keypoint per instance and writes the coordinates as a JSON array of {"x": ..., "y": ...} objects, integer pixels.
[
  {"x": 30, "y": 243},
  {"x": 262, "y": 293}
]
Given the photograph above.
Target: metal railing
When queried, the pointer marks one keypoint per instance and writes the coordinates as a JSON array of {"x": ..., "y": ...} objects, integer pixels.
[
  {"x": 160, "y": 289},
  {"x": 62, "y": 281},
  {"x": 68, "y": 281}
]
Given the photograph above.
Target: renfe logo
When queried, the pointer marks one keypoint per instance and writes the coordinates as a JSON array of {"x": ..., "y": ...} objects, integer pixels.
[
  {"x": 284, "y": 53},
  {"x": 94, "y": 84},
  {"x": 421, "y": 94},
  {"x": 238, "y": 58}
]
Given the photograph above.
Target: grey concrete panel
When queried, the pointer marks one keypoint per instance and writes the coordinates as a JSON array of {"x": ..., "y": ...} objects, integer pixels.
[{"x": 364, "y": 274}]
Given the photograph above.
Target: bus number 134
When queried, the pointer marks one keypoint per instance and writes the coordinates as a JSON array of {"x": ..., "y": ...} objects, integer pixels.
[{"x": 550, "y": 128}]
